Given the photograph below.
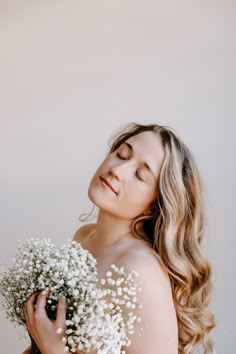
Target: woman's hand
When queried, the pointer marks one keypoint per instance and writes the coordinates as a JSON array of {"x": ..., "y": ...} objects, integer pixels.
[{"x": 47, "y": 334}]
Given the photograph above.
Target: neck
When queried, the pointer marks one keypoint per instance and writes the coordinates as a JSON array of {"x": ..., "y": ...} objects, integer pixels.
[{"x": 109, "y": 230}]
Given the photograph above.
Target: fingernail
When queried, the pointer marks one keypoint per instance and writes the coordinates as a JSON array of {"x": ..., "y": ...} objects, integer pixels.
[{"x": 63, "y": 300}]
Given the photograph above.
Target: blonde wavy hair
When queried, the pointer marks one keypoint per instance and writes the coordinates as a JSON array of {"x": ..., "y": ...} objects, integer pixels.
[{"x": 175, "y": 230}]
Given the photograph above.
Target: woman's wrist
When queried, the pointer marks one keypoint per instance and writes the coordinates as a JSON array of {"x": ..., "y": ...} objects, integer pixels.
[
  {"x": 54, "y": 351},
  {"x": 59, "y": 349}
]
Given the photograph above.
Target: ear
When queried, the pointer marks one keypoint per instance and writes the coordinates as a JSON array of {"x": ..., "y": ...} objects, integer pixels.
[{"x": 147, "y": 212}]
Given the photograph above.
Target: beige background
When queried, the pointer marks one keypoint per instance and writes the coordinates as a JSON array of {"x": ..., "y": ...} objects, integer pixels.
[{"x": 71, "y": 72}]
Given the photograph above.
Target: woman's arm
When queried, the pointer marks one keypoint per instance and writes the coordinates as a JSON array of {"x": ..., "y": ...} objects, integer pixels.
[
  {"x": 157, "y": 333},
  {"x": 158, "y": 317}
]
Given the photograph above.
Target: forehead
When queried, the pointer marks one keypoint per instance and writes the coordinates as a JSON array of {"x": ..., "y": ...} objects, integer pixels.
[{"x": 148, "y": 147}]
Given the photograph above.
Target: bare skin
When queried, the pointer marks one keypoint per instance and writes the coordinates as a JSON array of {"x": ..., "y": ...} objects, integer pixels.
[
  {"x": 111, "y": 253},
  {"x": 123, "y": 188},
  {"x": 129, "y": 252}
]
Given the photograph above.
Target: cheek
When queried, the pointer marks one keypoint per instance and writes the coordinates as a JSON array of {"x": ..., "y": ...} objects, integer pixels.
[
  {"x": 137, "y": 201},
  {"x": 94, "y": 192},
  {"x": 98, "y": 172},
  {"x": 103, "y": 167}
]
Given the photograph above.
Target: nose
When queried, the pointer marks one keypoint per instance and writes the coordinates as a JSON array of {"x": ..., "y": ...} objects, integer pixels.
[{"x": 118, "y": 171}]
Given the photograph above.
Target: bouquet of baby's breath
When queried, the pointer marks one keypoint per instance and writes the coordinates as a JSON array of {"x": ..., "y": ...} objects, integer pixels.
[{"x": 100, "y": 313}]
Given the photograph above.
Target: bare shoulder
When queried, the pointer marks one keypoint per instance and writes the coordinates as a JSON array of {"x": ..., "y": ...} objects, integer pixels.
[
  {"x": 82, "y": 232},
  {"x": 148, "y": 264},
  {"x": 158, "y": 315}
]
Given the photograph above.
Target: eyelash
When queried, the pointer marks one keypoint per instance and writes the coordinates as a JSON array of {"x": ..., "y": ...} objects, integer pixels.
[
  {"x": 120, "y": 157},
  {"x": 136, "y": 173}
]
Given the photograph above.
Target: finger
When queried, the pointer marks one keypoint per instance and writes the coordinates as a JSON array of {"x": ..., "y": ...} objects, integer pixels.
[
  {"x": 61, "y": 313},
  {"x": 29, "y": 306},
  {"x": 40, "y": 306}
]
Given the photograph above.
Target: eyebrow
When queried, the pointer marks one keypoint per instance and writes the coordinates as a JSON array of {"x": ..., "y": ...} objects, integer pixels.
[{"x": 144, "y": 162}]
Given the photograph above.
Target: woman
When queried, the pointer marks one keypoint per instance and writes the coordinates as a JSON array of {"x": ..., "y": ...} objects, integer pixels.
[{"x": 150, "y": 219}]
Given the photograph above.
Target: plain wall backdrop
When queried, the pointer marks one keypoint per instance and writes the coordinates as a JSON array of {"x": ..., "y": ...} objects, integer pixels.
[{"x": 72, "y": 72}]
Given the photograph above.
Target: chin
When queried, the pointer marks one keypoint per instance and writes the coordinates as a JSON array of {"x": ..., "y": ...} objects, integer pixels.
[
  {"x": 91, "y": 195},
  {"x": 95, "y": 196}
]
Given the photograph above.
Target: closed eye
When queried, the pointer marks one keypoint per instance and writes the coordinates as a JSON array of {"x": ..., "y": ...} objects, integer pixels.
[
  {"x": 121, "y": 157},
  {"x": 137, "y": 174}
]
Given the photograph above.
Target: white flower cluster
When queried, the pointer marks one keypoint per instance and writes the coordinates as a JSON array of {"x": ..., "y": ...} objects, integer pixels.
[{"x": 100, "y": 314}]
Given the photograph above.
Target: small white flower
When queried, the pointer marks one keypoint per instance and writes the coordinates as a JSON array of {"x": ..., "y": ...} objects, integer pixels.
[{"x": 97, "y": 308}]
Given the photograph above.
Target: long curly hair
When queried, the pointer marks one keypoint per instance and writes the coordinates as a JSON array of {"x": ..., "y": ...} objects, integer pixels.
[{"x": 175, "y": 230}]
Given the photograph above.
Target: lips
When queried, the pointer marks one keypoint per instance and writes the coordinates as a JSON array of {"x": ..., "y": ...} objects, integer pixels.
[{"x": 108, "y": 184}]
